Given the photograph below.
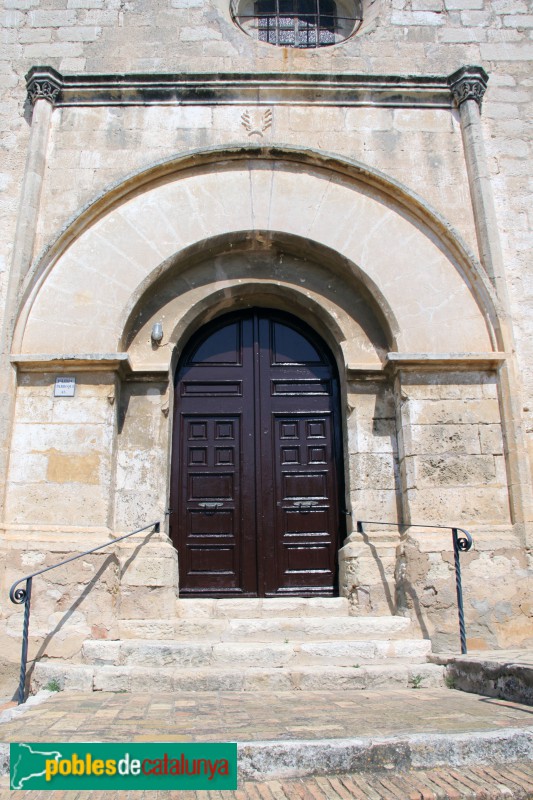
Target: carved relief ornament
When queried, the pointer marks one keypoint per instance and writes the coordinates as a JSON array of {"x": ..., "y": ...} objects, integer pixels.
[{"x": 256, "y": 123}]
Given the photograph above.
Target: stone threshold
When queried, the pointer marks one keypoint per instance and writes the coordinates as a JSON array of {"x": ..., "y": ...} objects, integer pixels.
[{"x": 289, "y": 759}]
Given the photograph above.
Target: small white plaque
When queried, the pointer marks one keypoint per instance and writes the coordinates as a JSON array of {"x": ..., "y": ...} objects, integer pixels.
[{"x": 65, "y": 387}]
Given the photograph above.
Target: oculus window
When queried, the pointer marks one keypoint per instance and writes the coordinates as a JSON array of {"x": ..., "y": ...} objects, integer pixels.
[{"x": 298, "y": 23}]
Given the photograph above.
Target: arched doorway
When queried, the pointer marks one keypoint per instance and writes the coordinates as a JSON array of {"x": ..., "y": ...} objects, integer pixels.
[{"x": 256, "y": 459}]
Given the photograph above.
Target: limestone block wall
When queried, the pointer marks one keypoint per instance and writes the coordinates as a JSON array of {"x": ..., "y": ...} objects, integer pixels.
[
  {"x": 105, "y": 36},
  {"x": 375, "y": 489},
  {"x": 60, "y": 480},
  {"x": 451, "y": 449},
  {"x": 61, "y": 466},
  {"x": 429, "y": 449},
  {"x": 83, "y": 469},
  {"x": 148, "y": 567},
  {"x": 70, "y": 604},
  {"x": 452, "y": 466}
]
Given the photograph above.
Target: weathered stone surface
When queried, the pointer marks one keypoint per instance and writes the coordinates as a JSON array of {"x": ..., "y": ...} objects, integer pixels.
[
  {"x": 315, "y": 629},
  {"x": 253, "y": 655},
  {"x": 163, "y": 654},
  {"x": 259, "y": 759},
  {"x": 69, "y": 676},
  {"x": 101, "y": 652}
]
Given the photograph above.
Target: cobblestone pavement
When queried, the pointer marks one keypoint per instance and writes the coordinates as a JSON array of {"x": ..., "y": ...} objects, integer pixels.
[{"x": 243, "y": 716}]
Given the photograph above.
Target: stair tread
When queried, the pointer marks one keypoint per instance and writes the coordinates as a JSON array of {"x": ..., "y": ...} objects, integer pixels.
[
  {"x": 194, "y": 642},
  {"x": 255, "y": 607},
  {"x": 398, "y": 674},
  {"x": 375, "y": 664}
]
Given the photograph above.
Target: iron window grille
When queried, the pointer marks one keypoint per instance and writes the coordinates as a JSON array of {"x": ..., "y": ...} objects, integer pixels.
[{"x": 298, "y": 23}]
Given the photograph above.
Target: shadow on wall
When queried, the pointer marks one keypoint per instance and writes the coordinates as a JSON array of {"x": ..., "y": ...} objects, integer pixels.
[{"x": 50, "y": 641}]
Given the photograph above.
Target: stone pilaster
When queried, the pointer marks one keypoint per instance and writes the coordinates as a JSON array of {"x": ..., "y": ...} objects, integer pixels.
[
  {"x": 468, "y": 86},
  {"x": 43, "y": 89}
]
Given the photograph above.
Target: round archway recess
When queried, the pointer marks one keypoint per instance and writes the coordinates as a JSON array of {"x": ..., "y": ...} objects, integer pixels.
[
  {"x": 246, "y": 270},
  {"x": 127, "y": 237}
]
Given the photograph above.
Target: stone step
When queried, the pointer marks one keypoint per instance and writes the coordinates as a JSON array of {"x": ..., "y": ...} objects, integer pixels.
[
  {"x": 107, "y": 678},
  {"x": 257, "y": 607},
  {"x": 156, "y": 654},
  {"x": 279, "y": 629}
]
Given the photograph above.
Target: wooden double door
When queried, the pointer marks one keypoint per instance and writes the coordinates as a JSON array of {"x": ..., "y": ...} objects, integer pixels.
[{"x": 256, "y": 460}]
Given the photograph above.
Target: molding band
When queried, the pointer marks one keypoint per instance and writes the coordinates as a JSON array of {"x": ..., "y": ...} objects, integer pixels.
[{"x": 252, "y": 88}]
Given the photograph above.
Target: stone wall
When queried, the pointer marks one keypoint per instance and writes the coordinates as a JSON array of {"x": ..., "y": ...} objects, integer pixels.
[
  {"x": 451, "y": 449},
  {"x": 496, "y": 588},
  {"x": 61, "y": 465},
  {"x": 415, "y": 448}
]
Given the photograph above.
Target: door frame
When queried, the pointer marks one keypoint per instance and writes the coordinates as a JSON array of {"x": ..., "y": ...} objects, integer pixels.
[{"x": 337, "y": 435}]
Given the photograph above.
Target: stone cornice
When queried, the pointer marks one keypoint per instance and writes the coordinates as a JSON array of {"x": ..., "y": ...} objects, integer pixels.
[
  {"x": 243, "y": 88},
  {"x": 468, "y": 83},
  {"x": 456, "y": 362},
  {"x": 91, "y": 362}
]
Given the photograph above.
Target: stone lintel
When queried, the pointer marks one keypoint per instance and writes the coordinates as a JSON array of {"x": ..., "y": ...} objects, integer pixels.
[
  {"x": 468, "y": 83},
  {"x": 445, "y": 361},
  {"x": 239, "y": 88},
  {"x": 89, "y": 362}
]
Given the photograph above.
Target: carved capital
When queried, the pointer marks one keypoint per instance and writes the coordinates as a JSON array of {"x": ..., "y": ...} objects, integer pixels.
[
  {"x": 43, "y": 90},
  {"x": 468, "y": 83},
  {"x": 43, "y": 83}
]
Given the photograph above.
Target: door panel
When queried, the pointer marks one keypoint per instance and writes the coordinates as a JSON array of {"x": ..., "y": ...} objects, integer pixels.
[
  {"x": 256, "y": 459},
  {"x": 210, "y": 497}
]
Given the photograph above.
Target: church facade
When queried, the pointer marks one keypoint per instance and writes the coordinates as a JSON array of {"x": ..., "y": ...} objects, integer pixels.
[{"x": 265, "y": 276}]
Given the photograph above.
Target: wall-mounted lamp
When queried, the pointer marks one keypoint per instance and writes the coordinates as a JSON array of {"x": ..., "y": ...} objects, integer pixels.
[{"x": 157, "y": 333}]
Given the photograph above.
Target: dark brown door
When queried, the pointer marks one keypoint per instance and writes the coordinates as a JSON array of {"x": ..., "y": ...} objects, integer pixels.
[{"x": 256, "y": 457}]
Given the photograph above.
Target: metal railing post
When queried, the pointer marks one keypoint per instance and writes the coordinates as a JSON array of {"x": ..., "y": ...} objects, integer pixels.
[
  {"x": 459, "y": 589},
  {"x": 24, "y": 595},
  {"x": 461, "y": 543}
]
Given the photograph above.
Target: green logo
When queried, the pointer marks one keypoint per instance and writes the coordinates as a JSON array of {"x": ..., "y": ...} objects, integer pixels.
[{"x": 161, "y": 765}]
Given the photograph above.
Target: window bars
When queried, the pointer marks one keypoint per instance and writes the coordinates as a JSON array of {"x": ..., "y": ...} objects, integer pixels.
[{"x": 297, "y": 23}]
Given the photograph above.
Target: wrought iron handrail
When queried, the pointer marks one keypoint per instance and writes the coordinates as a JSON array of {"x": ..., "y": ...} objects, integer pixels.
[
  {"x": 462, "y": 542},
  {"x": 23, "y": 595}
]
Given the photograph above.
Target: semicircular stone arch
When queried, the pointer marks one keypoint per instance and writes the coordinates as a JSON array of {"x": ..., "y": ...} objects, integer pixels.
[
  {"x": 82, "y": 303},
  {"x": 258, "y": 269}
]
